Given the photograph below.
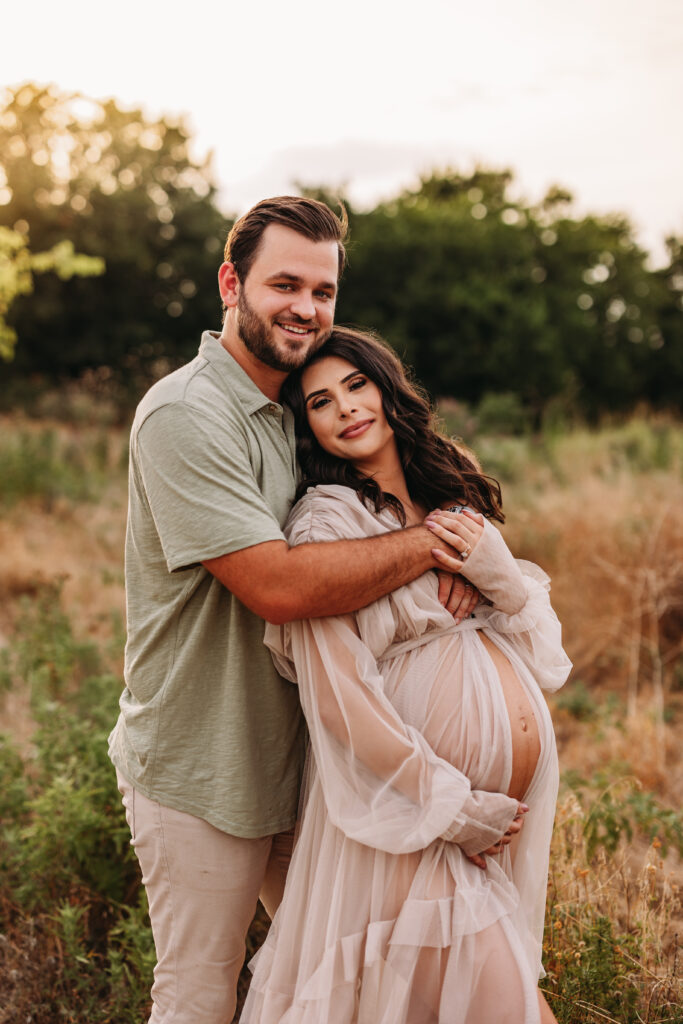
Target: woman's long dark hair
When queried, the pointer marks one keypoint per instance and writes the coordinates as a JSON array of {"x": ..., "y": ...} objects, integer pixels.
[{"x": 436, "y": 469}]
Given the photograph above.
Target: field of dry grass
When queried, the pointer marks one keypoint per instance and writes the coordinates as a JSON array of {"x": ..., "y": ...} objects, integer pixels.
[{"x": 601, "y": 512}]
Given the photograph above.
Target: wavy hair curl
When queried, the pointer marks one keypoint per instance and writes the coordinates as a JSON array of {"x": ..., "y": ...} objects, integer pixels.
[{"x": 437, "y": 470}]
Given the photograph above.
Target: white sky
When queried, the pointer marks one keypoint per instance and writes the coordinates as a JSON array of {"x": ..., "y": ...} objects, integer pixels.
[{"x": 586, "y": 94}]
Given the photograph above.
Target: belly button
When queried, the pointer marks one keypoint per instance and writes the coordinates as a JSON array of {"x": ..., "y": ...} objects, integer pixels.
[{"x": 524, "y": 725}]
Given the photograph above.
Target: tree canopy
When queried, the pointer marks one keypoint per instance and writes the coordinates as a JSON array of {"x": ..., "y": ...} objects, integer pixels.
[
  {"x": 481, "y": 292},
  {"x": 124, "y": 188},
  {"x": 17, "y": 267}
]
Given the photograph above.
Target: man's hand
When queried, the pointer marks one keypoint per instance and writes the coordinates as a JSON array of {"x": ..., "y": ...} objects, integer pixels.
[
  {"x": 457, "y": 595},
  {"x": 515, "y": 828}
]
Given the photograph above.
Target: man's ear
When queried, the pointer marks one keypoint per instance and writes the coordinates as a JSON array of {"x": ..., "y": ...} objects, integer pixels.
[{"x": 228, "y": 284}]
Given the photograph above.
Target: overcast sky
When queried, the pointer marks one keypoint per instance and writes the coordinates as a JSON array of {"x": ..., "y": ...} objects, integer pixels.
[{"x": 371, "y": 93}]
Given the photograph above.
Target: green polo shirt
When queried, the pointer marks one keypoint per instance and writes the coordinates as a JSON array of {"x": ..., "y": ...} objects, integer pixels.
[{"x": 206, "y": 726}]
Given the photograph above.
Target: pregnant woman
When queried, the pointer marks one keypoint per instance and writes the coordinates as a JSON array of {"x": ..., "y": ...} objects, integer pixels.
[{"x": 413, "y": 896}]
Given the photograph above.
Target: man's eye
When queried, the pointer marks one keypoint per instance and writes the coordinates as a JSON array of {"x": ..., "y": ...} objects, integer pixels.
[
  {"x": 324, "y": 295},
  {"x": 283, "y": 287}
]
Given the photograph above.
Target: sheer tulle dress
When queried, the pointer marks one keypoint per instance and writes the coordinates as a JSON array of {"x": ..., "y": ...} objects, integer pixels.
[{"x": 384, "y": 919}]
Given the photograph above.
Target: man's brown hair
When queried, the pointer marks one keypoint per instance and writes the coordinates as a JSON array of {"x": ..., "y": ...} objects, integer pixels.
[{"x": 308, "y": 217}]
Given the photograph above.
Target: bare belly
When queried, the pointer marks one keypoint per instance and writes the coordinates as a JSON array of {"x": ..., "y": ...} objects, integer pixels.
[{"x": 526, "y": 741}]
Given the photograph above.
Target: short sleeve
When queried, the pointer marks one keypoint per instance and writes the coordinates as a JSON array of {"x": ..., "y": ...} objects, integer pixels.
[{"x": 201, "y": 487}]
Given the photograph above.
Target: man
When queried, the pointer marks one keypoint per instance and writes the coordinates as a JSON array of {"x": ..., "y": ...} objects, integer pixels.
[{"x": 209, "y": 744}]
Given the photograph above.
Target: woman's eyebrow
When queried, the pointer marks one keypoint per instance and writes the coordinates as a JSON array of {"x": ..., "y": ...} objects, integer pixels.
[
  {"x": 314, "y": 393},
  {"x": 322, "y": 391}
]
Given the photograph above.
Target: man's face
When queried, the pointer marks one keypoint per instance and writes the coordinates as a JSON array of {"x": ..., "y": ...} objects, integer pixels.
[{"x": 285, "y": 307}]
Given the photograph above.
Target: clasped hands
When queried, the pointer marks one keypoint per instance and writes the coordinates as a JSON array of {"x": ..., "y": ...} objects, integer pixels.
[
  {"x": 461, "y": 532},
  {"x": 515, "y": 827}
]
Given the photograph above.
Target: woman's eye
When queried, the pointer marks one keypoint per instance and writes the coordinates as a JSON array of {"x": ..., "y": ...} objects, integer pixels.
[
  {"x": 318, "y": 403},
  {"x": 358, "y": 383}
]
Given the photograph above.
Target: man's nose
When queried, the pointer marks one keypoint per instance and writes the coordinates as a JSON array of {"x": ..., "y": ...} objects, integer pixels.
[{"x": 302, "y": 305}]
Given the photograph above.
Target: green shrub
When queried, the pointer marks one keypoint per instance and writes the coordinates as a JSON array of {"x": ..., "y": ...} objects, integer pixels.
[
  {"x": 69, "y": 880},
  {"x": 594, "y": 979},
  {"x": 578, "y": 700},
  {"x": 502, "y": 413},
  {"x": 43, "y": 464},
  {"x": 45, "y": 655},
  {"x": 617, "y": 807}
]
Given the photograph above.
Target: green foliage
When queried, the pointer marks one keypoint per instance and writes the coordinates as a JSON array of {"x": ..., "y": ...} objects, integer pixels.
[
  {"x": 69, "y": 881},
  {"x": 617, "y": 807},
  {"x": 578, "y": 700},
  {"x": 131, "y": 959},
  {"x": 482, "y": 293},
  {"x": 42, "y": 464},
  {"x": 123, "y": 188},
  {"x": 68, "y": 878},
  {"x": 45, "y": 654},
  {"x": 502, "y": 413},
  {"x": 17, "y": 267},
  {"x": 641, "y": 447},
  {"x": 596, "y": 979}
]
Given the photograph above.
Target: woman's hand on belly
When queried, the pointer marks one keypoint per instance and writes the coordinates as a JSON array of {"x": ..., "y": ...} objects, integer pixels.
[{"x": 515, "y": 829}]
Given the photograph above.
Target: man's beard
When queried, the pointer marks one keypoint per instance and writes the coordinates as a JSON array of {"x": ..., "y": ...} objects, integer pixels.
[{"x": 257, "y": 339}]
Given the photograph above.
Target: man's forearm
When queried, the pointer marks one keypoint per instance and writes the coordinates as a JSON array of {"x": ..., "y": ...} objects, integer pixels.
[
  {"x": 281, "y": 584},
  {"x": 341, "y": 576}
]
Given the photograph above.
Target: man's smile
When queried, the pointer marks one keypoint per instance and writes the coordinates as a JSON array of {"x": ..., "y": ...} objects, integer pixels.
[{"x": 294, "y": 328}]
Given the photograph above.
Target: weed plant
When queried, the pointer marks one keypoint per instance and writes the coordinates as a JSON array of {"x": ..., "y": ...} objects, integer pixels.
[
  {"x": 75, "y": 942},
  {"x": 47, "y": 464},
  {"x": 608, "y": 950}
]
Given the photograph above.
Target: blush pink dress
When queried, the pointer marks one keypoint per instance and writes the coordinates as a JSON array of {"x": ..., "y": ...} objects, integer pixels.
[{"x": 384, "y": 919}]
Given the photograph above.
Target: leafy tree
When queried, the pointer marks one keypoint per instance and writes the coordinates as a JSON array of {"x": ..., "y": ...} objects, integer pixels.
[
  {"x": 17, "y": 267},
  {"x": 124, "y": 188},
  {"x": 483, "y": 293}
]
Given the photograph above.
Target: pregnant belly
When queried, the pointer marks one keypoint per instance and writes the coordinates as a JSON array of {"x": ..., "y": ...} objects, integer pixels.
[{"x": 524, "y": 733}]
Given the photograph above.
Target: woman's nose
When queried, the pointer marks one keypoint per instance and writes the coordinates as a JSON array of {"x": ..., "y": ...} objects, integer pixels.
[{"x": 346, "y": 409}]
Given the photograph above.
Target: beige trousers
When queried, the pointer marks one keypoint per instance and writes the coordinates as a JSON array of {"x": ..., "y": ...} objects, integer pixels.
[{"x": 202, "y": 886}]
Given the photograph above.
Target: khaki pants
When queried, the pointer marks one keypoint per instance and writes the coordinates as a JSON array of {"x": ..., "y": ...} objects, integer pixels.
[{"x": 202, "y": 886}]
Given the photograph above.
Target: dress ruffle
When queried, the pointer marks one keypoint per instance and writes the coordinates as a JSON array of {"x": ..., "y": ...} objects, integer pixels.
[{"x": 385, "y": 954}]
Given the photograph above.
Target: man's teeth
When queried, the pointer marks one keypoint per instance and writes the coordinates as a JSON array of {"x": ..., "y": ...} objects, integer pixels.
[{"x": 294, "y": 330}]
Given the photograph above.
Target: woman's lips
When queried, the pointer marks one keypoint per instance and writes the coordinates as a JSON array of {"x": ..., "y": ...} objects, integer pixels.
[{"x": 356, "y": 429}]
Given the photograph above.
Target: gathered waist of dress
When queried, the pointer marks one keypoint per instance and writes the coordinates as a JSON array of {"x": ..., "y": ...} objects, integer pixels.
[{"x": 478, "y": 621}]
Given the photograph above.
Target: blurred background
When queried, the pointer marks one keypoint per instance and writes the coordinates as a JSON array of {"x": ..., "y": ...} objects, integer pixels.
[{"x": 513, "y": 177}]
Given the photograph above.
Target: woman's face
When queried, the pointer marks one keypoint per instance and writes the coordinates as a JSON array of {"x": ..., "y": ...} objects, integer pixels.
[{"x": 345, "y": 413}]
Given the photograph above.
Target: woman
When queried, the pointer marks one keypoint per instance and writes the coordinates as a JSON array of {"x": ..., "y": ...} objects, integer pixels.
[{"x": 413, "y": 897}]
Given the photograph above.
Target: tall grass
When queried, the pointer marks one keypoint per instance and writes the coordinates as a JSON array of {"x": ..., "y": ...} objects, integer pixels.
[
  {"x": 601, "y": 513},
  {"x": 48, "y": 463},
  {"x": 608, "y": 950}
]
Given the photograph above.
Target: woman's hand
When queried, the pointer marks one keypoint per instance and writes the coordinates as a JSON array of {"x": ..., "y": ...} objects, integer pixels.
[
  {"x": 460, "y": 530},
  {"x": 515, "y": 828}
]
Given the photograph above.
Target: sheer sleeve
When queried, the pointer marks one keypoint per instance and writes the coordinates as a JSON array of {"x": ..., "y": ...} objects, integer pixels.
[
  {"x": 383, "y": 784},
  {"x": 519, "y": 592}
]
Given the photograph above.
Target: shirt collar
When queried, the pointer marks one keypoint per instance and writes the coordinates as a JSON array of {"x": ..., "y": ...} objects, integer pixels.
[{"x": 240, "y": 383}]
